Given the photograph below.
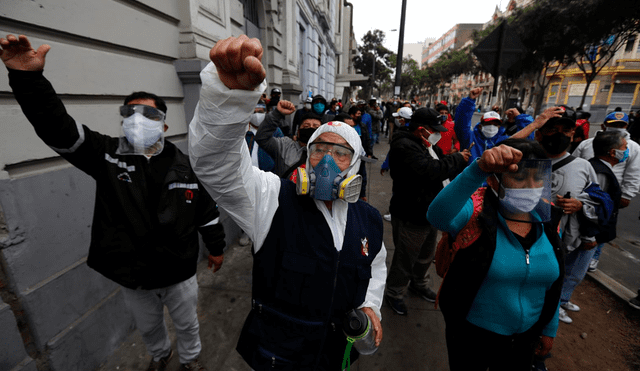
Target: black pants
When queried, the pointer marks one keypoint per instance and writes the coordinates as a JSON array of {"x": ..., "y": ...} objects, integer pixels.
[{"x": 473, "y": 348}]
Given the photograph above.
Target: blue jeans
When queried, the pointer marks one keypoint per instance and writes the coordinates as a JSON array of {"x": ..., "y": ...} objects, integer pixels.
[
  {"x": 576, "y": 264},
  {"x": 596, "y": 255},
  {"x": 374, "y": 140}
]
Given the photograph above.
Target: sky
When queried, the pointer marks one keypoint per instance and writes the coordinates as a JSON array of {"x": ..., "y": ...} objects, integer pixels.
[{"x": 423, "y": 18}]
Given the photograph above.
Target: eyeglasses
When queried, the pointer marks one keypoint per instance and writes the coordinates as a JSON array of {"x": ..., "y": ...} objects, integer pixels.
[
  {"x": 317, "y": 150},
  {"x": 146, "y": 111}
]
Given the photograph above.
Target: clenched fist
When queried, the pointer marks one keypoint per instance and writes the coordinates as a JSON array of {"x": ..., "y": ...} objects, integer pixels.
[
  {"x": 237, "y": 60},
  {"x": 285, "y": 107}
]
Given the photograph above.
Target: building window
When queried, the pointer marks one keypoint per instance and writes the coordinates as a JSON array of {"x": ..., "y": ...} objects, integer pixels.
[{"x": 631, "y": 41}]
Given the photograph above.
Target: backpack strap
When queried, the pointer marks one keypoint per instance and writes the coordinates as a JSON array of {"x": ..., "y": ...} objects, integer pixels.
[
  {"x": 447, "y": 249},
  {"x": 289, "y": 174},
  {"x": 564, "y": 161}
]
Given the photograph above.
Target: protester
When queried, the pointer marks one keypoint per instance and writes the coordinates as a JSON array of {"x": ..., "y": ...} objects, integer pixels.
[
  {"x": 419, "y": 171},
  {"x": 259, "y": 158},
  {"x": 287, "y": 153},
  {"x": 486, "y": 134},
  {"x": 297, "y": 118},
  {"x": 318, "y": 105},
  {"x": 353, "y": 120},
  {"x": 149, "y": 204},
  {"x": 274, "y": 99},
  {"x": 499, "y": 297},
  {"x": 516, "y": 121},
  {"x": 583, "y": 123},
  {"x": 574, "y": 188},
  {"x": 315, "y": 257},
  {"x": 332, "y": 111},
  {"x": 366, "y": 119},
  {"x": 627, "y": 172},
  {"x": 610, "y": 149},
  {"x": 449, "y": 141},
  {"x": 376, "y": 117}
]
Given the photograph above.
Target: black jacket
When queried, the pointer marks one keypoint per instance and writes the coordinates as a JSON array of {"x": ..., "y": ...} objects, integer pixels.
[
  {"x": 417, "y": 177},
  {"x": 147, "y": 211}
]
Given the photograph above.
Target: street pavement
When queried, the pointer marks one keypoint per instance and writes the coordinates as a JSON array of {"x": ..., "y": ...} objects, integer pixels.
[{"x": 412, "y": 342}]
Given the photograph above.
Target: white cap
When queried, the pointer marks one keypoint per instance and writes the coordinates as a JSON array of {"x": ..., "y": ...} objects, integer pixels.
[
  {"x": 404, "y": 112},
  {"x": 491, "y": 115}
]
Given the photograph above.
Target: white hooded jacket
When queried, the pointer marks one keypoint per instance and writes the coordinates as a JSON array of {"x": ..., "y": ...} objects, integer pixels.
[{"x": 220, "y": 158}]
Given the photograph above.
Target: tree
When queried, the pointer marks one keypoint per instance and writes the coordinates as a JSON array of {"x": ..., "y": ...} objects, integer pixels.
[
  {"x": 370, "y": 50},
  {"x": 560, "y": 33}
]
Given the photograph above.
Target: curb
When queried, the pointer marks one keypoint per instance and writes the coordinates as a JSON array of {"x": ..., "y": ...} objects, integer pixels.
[{"x": 612, "y": 285}]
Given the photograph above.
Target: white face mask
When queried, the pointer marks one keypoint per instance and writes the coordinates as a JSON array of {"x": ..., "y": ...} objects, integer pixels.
[
  {"x": 520, "y": 200},
  {"x": 490, "y": 131},
  {"x": 256, "y": 119},
  {"x": 434, "y": 138},
  {"x": 141, "y": 131}
]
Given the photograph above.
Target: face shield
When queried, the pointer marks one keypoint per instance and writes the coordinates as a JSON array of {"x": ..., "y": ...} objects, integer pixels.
[
  {"x": 526, "y": 194},
  {"x": 142, "y": 130}
]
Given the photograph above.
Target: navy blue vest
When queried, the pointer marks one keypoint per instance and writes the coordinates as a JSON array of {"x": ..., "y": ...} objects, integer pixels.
[
  {"x": 608, "y": 232},
  {"x": 302, "y": 286}
]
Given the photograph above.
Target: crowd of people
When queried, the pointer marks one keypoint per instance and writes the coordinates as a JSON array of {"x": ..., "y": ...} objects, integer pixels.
[{"x": 524, "y": 206}]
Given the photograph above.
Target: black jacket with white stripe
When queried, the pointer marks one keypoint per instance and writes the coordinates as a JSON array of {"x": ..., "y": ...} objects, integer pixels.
[{"x": 147, "y": 211}]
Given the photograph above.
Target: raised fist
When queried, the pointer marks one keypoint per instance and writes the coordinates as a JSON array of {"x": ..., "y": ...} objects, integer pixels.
[{"x": 237, "y": 60}]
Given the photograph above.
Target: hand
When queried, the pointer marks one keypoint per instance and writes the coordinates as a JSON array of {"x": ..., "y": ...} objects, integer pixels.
[
  {"x": 545, "y": 345},
  {"x": 215, "y": 262},
  {"x": 285, "y": 107},
  {"x": 382, "y": 171},
  {"x": 588, "y": 245},
  {"x": 238, "y": 62},
  {"x": 568, "y": 205},
  {"x": 17, "y": 54},
  {"x": 500, "y": 159},
  {"x": 512, "y": 113},
  {"x": 375, "y": 323},
  {"x": 624, "y": 203},
  {"x": 546, "y": 115},
  {"x": 466, "y": 154},
  {"x": 363, "y": 199},
  {"x": 475, "y": 93}
]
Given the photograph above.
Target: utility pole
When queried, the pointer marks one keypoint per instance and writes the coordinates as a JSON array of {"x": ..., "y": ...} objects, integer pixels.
[{"x": 400, "y": 45}]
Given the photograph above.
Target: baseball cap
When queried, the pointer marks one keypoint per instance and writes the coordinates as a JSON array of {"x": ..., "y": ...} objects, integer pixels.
[
  {"x": 490, "y": 116},
  {"x": 275, "y": 91},
  {"x": 568, "y": 119},
  {"x": 616, "y": 116},
  {"x": 404, "y": 112},
  {"x": 428, "y": 116}
]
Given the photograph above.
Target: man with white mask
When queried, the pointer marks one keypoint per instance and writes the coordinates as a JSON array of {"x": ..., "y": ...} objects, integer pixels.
[
  {"x": 318, "y": 250},
  {"x": 419, "y": 170},
  {"x": 627, "y": 171},
  {"x": 149, "y": 204},
  {"x": 486, "y": 134}
]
